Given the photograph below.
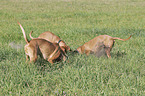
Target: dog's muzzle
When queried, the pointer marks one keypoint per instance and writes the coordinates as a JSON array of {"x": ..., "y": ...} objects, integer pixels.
[{"x": 76, "y": 51}]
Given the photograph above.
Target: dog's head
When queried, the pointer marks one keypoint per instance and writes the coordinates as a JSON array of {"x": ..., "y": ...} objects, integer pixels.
[
  {"x": 78, "y": 50},
  {"x": 63, "y": 46}
]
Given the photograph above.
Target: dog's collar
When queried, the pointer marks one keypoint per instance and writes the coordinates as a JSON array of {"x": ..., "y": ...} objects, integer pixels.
[{"x": 59, "y": 41}]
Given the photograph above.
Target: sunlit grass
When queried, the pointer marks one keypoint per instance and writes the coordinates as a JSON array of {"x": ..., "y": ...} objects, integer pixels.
[{"x": 75, "y": 22}]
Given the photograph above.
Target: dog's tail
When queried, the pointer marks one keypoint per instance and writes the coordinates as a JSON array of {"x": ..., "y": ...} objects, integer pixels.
[
  {"x": 114, "y": 38},
  {"x": 23, "y": 33},
  {"x": 30, "y": 35}
]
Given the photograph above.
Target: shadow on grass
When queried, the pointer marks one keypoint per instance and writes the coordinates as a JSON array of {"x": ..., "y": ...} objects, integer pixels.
[
  {"x": 43, "y": 65},
  {"x": 118, "y": 54}
]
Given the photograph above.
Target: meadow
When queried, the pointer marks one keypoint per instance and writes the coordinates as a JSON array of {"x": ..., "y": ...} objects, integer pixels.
[{"x": 75, "y": 22}]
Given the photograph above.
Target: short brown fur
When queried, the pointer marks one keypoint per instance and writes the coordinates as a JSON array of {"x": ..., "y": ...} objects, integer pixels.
[
  {"x": 54, "y": 39},
  {"x": 49, "y": 51},
  {"x": 102, "y": 40}
]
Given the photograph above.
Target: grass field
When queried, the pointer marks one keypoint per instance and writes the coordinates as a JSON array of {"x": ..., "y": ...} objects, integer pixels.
[{"x": 75, "y": 22}]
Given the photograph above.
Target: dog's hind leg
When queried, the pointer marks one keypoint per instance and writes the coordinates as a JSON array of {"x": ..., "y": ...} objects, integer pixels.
[
  {"x": 33, "y": 58},
  {"x": 107, "y": 50},
  {"x": 51, "y": 61},
  {"x": 26, "y": 52},
  {"x": 33, "y": 55}
]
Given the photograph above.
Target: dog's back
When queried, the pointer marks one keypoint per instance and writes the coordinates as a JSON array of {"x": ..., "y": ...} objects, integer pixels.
[
  {"x": 49, "y": 36},
  {"x": 45, "y": 46}
]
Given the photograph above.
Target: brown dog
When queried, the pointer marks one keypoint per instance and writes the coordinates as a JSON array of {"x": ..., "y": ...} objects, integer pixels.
[
  {"x": 99, "y": 44},
  {"x": 49, "y": 51},
  {"x": 49, "y": 36}
]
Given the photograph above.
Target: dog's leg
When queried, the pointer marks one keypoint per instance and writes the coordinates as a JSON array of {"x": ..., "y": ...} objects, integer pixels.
[
  {"x": 64, "y": 55},
  {"x": 33, "y": 59},
  {"x": 51, "y": 61},
  {"x": 33, "y": 54},
  {"x": 108, "y": 46},
  {"x": 55, "y": 56},
  {"x": 107, "y": 50},
  {"x": 26, "y": 52},
  {"x": 87, "y": 52},
  {"x": 64, "y": 58}
]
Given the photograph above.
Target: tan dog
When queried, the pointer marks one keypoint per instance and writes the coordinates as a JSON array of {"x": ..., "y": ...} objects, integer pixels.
[
  {"x": 54, "y": 39},
  {"x": 49, "y": 51},
  {"x": 99, "y": 43}
]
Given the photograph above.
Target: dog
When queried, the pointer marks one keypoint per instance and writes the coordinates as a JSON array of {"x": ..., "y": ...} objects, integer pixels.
[
  {"x": 99, "y": 45},
  {"x": 47, "y": 50},
  {"x": 49, "y": 36}
]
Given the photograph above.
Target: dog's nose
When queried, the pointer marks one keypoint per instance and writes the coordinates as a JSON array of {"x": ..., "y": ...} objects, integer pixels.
[{"x": 76, "y": 51}]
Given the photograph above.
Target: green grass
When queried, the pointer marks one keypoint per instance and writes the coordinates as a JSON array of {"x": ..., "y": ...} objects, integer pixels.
[{"x": 75, "y": 22}]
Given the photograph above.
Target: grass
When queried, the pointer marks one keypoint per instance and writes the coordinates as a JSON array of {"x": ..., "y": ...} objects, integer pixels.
[{"x": 76, "y": 22}]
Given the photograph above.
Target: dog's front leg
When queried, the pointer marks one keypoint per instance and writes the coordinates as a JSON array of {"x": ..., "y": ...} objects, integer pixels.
[
  {"x": 87, "y": 52},
  {"x": 64, "y": 57}
]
